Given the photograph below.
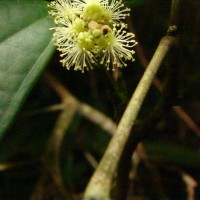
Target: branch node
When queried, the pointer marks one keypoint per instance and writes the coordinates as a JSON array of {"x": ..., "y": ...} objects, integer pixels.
[{"x": 173, "y": 30}]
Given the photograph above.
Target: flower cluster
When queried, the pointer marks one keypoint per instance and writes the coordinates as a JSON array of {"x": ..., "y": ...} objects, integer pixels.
[{"x": 89, "y": 32}]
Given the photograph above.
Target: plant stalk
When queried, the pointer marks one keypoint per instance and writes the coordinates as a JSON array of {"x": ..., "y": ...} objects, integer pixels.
[{"x": 100, "y": 184}]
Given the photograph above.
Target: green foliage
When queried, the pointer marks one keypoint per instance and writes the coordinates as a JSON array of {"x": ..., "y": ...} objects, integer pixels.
[{"x": 25, "y": 48}]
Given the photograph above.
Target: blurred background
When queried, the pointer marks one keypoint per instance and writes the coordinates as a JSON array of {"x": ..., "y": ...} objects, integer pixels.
[{"x": 170, "y": 156}]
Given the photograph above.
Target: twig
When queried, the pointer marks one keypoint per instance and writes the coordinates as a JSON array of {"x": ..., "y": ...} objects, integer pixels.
[
  {"x": 52, "y": 108},
  {"x": 97, "y": 117},
  {"x": 140, "y": 52},
  {"x": 187, "y": 119},
  {"x": 85, "y": 110},
  {"x": 178, "y": 109},
  {"x": 57, "y": 86},
  {"x": 90, "y": 158},
  {"x": 142, "y": 129},
  {"x": 10, "y": 165},
  {"x": 175, "y": 13},
  {"x": 191, "y": 184},
  {"x": 51, "y": 157},
  {"x": 100, "y": 184},
  {"x": 173, "y": 68},
  {"x": 153, "y": 172},
  {"x": 51, "y": 161}
]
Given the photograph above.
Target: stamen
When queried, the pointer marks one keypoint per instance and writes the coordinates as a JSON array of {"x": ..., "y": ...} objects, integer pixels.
[{"x": 91, "y": 32}]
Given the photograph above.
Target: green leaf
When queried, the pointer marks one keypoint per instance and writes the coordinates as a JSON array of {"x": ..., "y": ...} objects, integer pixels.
[{"x": 25, "y": 49}]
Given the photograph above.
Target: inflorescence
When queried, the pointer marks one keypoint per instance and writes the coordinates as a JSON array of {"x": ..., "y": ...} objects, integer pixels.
[{"x": 91, "y": 32}]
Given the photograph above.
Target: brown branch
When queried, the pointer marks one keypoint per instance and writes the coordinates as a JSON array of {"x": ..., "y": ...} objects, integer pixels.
[
  {"x": 142, "y": 129},
  {"x": 153, "y": 172},
  {"x": 91, "y": 159},
  {"x": 187, "y": 119},
  {"x": 52, "y": 108},
  {"x": 59, "y": 88},
  {"x": 82, "y": 108},
  {"x": 69, "y": 106},
  {"x": 175, "y": 16},
  {"x": 191, "y": 184},
  {"x": 10, "y": 165},
  {"x": 51, "y": 159},
  {"x": 52, "y": 155},
  {"x": 178, "y": 109},
  {"x": 140, "y": 52}
]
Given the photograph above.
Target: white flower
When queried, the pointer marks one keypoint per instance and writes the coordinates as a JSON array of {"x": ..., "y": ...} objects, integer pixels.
[
  {"x": 63, "y": 10},
  {"x": 91, "y": 32},
  {"x": 75, "y": 55},
  {"x": 111, "y": 12},
  {"x": 119, "y": 48},
  {"x": 77, "y": 50},
  {"x": 63, "y": 33},
  {"x": 118, "y": 11}
]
